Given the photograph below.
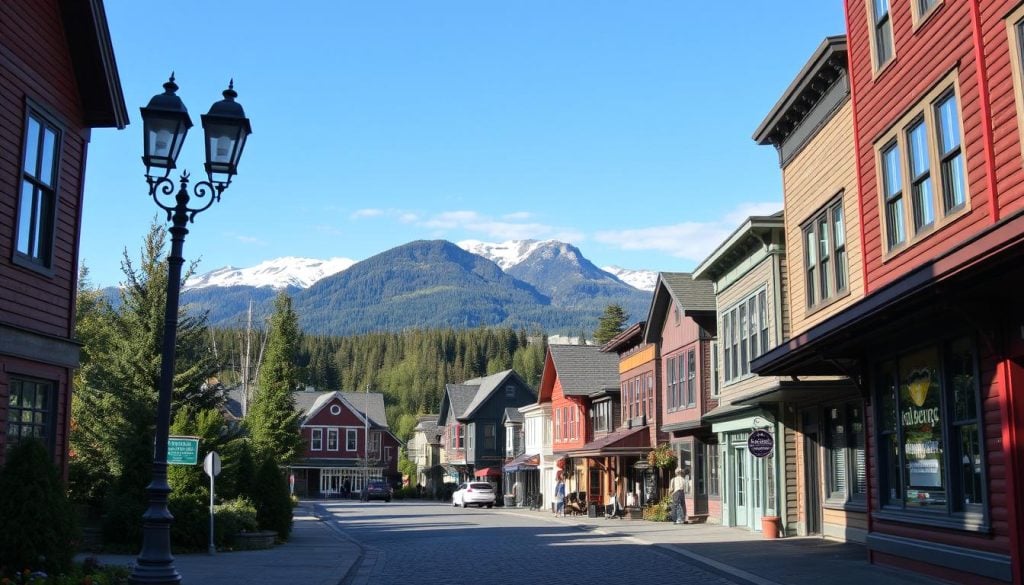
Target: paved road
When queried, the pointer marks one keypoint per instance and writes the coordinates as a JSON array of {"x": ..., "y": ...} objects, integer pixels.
[{"x": 435, "y": 544}]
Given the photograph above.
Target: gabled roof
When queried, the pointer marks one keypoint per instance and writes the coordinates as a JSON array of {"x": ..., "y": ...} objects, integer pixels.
[
  {"x": 755, "y": 232},
  {"x": 584, "y": 369},
  {"x": 309, "y": 403},
  {"x": 513, "y": 415},
  {"x": 92, "y": 57},
  {"x": 695, "y": 298},
  {"x": 466, "y": 398}
]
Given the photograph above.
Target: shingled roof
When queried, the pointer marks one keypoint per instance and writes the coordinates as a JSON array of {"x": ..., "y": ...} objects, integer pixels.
[
  {"x": 371, "y": 402},
  {"x": 695, "y": 298},
  {"x": 585, "y": 369}
]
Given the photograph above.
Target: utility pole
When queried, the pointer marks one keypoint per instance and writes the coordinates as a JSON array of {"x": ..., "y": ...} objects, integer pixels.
[{"x": 366, "y": 438}]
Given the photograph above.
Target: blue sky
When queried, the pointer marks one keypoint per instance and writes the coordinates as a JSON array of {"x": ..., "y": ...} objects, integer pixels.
[{"x": 622, "y": 127}]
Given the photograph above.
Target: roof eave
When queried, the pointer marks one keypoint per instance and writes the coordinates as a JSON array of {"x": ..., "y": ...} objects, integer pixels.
[
  {"x": 92, "y": 56},
  {"x": 828, "y": 47},
  {"x": 714, "y": 264}
]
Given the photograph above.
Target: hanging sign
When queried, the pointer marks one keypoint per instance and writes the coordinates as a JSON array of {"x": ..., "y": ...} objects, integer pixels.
[{"x": 760, "y": 443}]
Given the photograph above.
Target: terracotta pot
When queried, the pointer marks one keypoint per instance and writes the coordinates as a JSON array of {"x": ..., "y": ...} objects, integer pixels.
[{"x": 771, "y": 526}]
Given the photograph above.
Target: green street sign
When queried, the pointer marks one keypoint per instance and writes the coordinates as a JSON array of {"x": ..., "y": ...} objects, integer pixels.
[{"x": 182, "y": 450}]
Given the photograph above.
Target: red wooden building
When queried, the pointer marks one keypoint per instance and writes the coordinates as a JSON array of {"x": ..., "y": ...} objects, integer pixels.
[
  {"x": 58, "y": 80},
  {"x": 347, "y": 442},
  {"x": 937, "y": 343}
]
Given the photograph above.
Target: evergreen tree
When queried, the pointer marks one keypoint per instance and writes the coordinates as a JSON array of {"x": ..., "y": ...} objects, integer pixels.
[
  {"x": 114, "y": 403},
  {"x": 270, "y": 496},
  {"x": 272, "y": 421},
  {"x": 611, "y": 323}
]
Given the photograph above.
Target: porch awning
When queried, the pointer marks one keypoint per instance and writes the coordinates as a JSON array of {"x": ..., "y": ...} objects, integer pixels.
[
  {"x": 487, "y": 472},
  {"x": 524, "y": 462},
  {"x": 635, "y": 441},
  {"x": 803, "y": 392}
]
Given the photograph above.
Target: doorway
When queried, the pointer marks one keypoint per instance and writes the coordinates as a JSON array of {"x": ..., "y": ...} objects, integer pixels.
[{"x": 812, "y": 474}]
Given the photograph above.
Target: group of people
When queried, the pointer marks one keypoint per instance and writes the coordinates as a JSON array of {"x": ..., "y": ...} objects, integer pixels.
[{"x": 676, "y": 489}]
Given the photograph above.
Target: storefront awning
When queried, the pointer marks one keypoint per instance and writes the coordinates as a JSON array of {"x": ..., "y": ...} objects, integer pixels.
[
  {"x": 524, "y": 462},
  {"x": 803, "y": 392},
  {"x": 635, "y": 441},
  {"x": 487, "y": 472}
]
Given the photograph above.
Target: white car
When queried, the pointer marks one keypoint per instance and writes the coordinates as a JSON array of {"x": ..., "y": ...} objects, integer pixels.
[{"x": 474, "y": 492}]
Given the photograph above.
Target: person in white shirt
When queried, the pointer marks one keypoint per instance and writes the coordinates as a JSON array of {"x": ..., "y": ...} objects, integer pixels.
[{"x": 678, "y": 490}]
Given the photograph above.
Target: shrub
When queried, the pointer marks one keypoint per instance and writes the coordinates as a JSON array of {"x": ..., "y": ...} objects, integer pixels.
[
  {"x": 37, "y": 523},
  {"x": 190, "y": 530},
  {"x": 659, "y": 511},
  {"x": 122, "y": 519},
  {"x": 233, "y": 517},
  {"x": 271, "y": 498}
]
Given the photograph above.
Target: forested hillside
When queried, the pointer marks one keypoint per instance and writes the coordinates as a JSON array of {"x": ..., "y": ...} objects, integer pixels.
[{"x": 410, "y": 368}]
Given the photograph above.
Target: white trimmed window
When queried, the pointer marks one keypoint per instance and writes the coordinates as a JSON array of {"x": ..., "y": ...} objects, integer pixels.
[
  {"x": 332, "y": 439},
  {"x": 316, "y": 441},
  {"x": 928, "y": 143},
  {"x": 351, "y": 440}
]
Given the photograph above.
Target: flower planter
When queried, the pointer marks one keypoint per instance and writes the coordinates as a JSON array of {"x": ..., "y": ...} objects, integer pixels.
[{"x": 771, "y": 526}]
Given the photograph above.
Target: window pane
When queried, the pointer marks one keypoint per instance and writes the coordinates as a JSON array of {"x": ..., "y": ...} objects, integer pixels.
[
  {"x": 953, "y": 195},
  {"x": 883, "y": 40},
  {"x": 948, "y": 120},
  {"x": 925, "y": 481},
  {"x": 744, "y": 361},
  {"x": 26, "y": 232},
  {"x": 949, "y": 125},
  {"x": 812, "y": 264},
  {"x": 839, "y": 232},
  {"x": 859, "y": 486},
  {"x": 752, "y": 311},
  {"x": 32, "y": 146},
  {"x": 921, "y": 186},
  {"x": 970, "y": 471},
  {"x": 892, "y": 181},
  {"x": 824, "y": 250},
  {"x": 837, "y": 454},
  {"x": 762, "y": 303},
  {"x": 47, "y": 159}
]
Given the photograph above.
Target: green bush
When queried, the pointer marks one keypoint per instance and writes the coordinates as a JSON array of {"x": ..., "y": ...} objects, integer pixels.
[
  {"x": 271, "y": 498},
  {"x": 37, "y": 523},
  {"x": 231, "y": 518},
  {"x": 122, "y": 519},
  {"x": 190, "y": 530}
]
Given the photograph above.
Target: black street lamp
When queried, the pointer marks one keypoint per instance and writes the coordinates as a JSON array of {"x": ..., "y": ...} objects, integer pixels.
[{"x": 165, "y": 122}]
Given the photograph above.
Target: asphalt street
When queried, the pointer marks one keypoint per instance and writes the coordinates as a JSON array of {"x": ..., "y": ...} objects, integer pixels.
[{"x": 436, "y": 544}]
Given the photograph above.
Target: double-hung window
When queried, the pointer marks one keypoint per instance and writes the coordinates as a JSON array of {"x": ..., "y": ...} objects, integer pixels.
[
  {"x": 825, "y": 255},
  {"x": 691, "y": 378},
  {"x": 332, "y": 439},
  {"x": 37, "y": 201},
  {"x": 351, "y": 439},
  {"x": 881, "y": 39},
  {"x": 746, "y": 326},
  {"x": 316, "y": 440},
  {"x": 927, "y": 143}
]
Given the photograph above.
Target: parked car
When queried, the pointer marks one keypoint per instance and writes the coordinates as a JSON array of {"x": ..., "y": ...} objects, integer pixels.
[
  {"x": 474, "y": 492},
  {"x": 376, "y": 490}
]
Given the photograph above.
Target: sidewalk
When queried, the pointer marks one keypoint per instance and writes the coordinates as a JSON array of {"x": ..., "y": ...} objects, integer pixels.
[
  {"x": 746, "y": 557},
  {"x": 315, "y": 554}
]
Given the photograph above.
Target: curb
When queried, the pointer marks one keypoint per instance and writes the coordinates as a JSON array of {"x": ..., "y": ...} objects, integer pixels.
[{"x": 323, "y": 516}]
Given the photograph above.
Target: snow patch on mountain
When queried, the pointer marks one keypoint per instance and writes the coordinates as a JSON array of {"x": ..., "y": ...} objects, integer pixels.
[
  {"x": 505, "y": 254},
  {"x": 277, "y": 273},
  {"x": 641, "y": 279}
]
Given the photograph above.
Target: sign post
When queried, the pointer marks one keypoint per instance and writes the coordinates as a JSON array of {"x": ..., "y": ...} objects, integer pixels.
[{"x": 211, "y": 465}]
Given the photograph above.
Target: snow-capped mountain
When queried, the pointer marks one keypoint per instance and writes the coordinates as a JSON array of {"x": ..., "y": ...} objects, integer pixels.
[
  {"x": 505, "y": 254},
  {"x": 277, "y": 273},
  {"x": 641, "y": 279}
]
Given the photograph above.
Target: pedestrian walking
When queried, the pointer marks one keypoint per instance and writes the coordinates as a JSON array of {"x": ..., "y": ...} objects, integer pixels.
[
  {"x": 560, "y": 497},
  {"x": 678, "y": 489}
]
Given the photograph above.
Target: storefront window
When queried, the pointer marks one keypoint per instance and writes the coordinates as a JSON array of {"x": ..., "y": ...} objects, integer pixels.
[
  {"x": 846, "y": 475},
  {"x": 929, "y": 430},
  {"x": 685, "y": 455}
]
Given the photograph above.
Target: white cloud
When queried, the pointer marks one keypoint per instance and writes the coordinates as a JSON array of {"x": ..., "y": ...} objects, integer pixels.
[
  {"x": 689, "y": 240},
  {"x": 361, "y": 213},
  {"x": 509, "y": 227},
  {"x": 251, "y": 240}
]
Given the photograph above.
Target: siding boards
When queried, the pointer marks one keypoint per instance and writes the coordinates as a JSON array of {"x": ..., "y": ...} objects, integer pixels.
[{"x": 824, "y": 169}]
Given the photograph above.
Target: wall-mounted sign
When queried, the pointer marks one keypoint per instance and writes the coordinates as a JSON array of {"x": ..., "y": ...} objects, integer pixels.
[
  {"x": 760, "y": 443},
  {"x": 182, "y": 450}
]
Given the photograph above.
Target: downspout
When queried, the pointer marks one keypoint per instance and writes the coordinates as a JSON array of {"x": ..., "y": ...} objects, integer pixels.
[
  {"x": 985, "y": 106},
  {"x": 863, "y": 240},
  {"x": 781, "y": 481}
]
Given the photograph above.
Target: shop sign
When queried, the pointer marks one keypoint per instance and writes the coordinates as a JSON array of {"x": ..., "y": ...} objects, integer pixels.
[{"x": 760, "y": 443}]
